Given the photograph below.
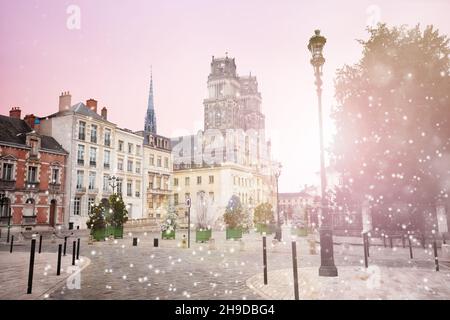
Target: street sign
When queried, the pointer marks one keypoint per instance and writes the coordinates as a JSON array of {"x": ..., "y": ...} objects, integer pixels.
[{"x": 188, "y": 202}]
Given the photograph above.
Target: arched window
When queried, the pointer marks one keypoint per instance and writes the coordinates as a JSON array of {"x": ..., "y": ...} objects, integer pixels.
[
  {"x": 28, "y": 208},
  {"x": 5, "y": 205}
]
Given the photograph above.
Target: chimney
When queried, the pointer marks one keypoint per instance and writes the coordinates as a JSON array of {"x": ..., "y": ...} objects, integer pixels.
[
  {"x": 105, "y": 113},
  {"x": 15, "y": 112},
  {"x": 65, "y": 101},
  {"x": 30, "y": 120},
  {"x": 92, "y": 105}
]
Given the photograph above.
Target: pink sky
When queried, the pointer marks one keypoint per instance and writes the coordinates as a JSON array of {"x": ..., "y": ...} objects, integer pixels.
[{"x": 109, "y": 59}]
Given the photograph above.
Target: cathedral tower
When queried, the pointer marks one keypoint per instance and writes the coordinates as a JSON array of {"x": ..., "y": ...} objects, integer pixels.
[{"x": 150, "y": 118}]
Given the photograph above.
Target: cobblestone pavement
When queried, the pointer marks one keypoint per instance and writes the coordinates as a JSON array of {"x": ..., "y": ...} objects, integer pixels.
[
  {"x": 14, "y": 274},
  {"x": 120, "y": 271}
]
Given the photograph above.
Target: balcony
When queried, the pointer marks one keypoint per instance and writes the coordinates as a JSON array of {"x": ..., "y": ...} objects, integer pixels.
[
  {"x": 106, "y": 166},
  {"x": 107, "y": 143},
  {"x": 32, "y": 185},
  {"x": 93, "y": 163},
  {"x": 80, "y": 162},
  {"x": 81, "y": 189},
  {"x": 7, "y": 184},
  {"x": 93, "y": 190},
  {"x": 28, "y": 220},
  {"x": 137, "y": 194},
  {"x": 151, "y": 190},
  {"x": 4, "y": 220},
  {"x": 54, "y": 187}
]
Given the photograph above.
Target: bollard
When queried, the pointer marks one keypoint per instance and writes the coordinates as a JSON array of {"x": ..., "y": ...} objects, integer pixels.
[
  {"x": 436, "y": 261},
  {"x": 74, "y": 244},
  {"x": 443, "y": 239},
  {"x": 155, "y": 242},
  {"x": 294, "y": 269},
  {"x": 58, "y": 266},
  {"x": 78, "y": 249},
  {"x": 390, "y": 242},
  {"x": 265, "y": 259},
  {"x": 367, "y": 243},
  {"x": 12, "y": 244},
  {"x": 31, "y": 269},
  {"x": 40, "y": 243},
  {"x": 65, "y": 245},
  {"x": 384, "y": 240},
  {"x": 410, "y": 248},
  {"x": 135, "y": 242},
  {"x": 423, "y": 240},
  {"x": 366, "y": 262}
]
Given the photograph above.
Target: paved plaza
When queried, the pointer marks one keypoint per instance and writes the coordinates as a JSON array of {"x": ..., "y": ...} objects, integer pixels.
[{"x": 115, "y": 269}]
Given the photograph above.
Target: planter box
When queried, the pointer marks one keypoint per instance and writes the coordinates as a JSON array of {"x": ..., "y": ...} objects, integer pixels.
[
  {"x": 234, "y": 233},
  {"x": 299, "y": 232},
  {"x": 202, "y": 235},
  {"x": 168, "y": 235},
  {"x": 117, "y": 232},
  {"x": 267, "y": 228},
  {"x": 99, "y": 234}
]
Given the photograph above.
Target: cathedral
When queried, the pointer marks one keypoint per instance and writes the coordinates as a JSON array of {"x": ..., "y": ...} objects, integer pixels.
[{"x": 231, "y": 155}]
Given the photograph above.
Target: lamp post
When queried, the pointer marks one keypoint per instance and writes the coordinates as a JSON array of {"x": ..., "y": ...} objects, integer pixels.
[
  {"x": 327, "y": 267},
  {"x": 278, "y": 232},
  {"x": 113, "y": 183}
]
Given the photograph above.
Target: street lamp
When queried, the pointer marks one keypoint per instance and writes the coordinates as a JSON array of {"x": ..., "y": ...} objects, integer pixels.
[
  {"x": 327, "y": 267},
  {"x": 278, "y": 232},
  {"x": 113, "y": 182}
]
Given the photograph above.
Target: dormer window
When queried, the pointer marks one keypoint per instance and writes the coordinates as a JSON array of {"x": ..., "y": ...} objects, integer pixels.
[{"x": 34, "y": 144}]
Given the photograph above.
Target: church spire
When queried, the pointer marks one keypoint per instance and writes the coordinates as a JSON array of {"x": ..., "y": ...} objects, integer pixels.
[{"x": 150, "y": 118}]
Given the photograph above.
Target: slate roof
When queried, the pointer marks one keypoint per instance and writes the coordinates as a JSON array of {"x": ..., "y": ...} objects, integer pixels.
[
  {"x": 13, "y": 130},
  {"x": 79, "y": 108}
]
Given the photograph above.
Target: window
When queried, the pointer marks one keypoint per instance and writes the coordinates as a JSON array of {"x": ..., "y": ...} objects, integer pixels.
[
  {"x": 93, "y": 157},
  {"x": 130, "y": 148},
  {"x": 158, "y": 161},
  {"x": 175, "y": 182},
  {"x": 130, "y": 165},
  {"x": 211, "y": 196},
  {"x": 7, "y": 173},
  {"x": 158, "y": 182},
  {"x": 138, "y": 150},
  {"x": 55, "y": 175},
  {"x": 91, "y": 180},
  {"x": 82, "y": 130},
  {"x": 80, "y": 178},
  {"x": 32, "y": 174},
  {"x": 120, "y": 145},
  {"x": 28, "y": 208},
  {"x": 93, "y": 133},
  {"x": 152, "y": 160},
  {"x": 187, "y": 195},
  {"x": 138, "y": 167},
  {"x": 77, "y": 206},
  {"x": 119, "y": 186},
  {"x": 137, "y": 189},
  {"x": 107, "y": 159},
  {"x": 175, "y": 199},
  {"x": 5, "y": 207},
  {"x": 129, "y": 188},
  {"x": 91, "y": 203},
  {"x": 120, "y": 164},
  {"x": 187, "y": 181},
  {"x": 199, "y": 180},
  {"x": 166, "y": 162},
  {"x": 34, "y": 147},
  {"x": 80, "y": 154},
  {"x": 107, "y": 137},
  {"x": 211, "y": 179},
  {"x": 105, "y": 183}
]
